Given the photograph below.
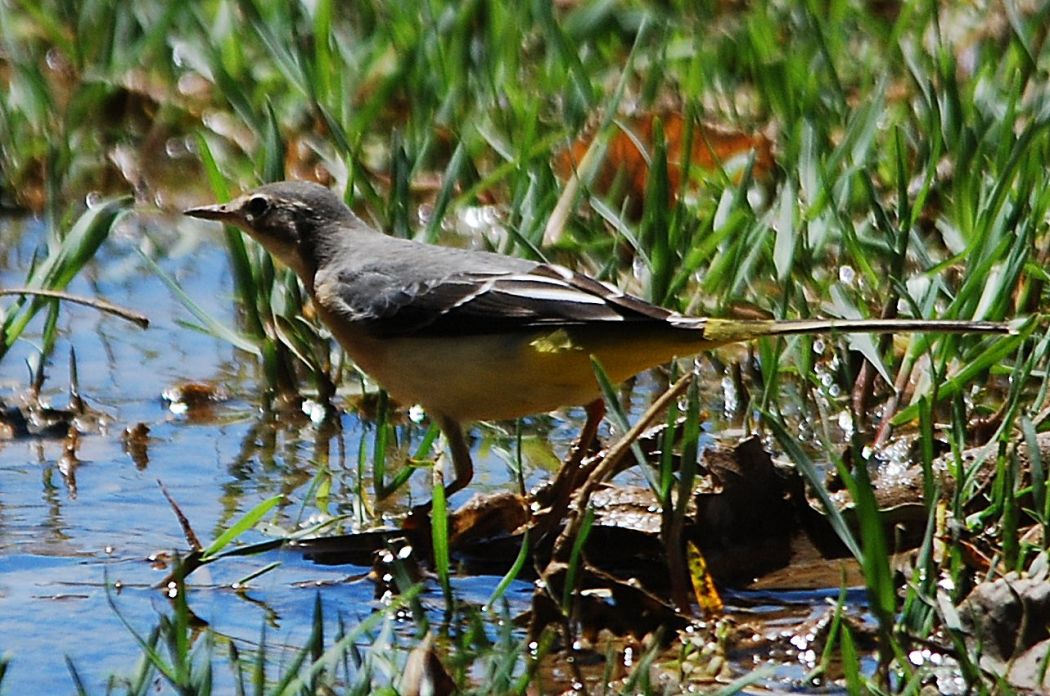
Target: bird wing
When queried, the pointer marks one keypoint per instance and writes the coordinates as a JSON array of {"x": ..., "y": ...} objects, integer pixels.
[{"x": 477, "y": 302}]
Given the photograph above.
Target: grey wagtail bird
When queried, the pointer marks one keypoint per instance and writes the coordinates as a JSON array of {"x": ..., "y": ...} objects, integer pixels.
[{"x": 473, "y": 335}]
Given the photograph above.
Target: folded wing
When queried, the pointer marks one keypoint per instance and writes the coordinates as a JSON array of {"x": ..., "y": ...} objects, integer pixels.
[{"x": 547, "y": 296}]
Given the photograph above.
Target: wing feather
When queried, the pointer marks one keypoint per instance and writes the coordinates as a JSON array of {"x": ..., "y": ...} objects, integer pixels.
[{"x": 548, "y": 296}]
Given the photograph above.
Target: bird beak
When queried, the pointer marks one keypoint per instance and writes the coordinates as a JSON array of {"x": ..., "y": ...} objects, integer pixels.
[{"x": 221, "y": 212}]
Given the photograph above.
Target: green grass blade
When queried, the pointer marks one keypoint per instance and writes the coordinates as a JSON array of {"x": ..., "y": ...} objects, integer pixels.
[
  {"x": 510, "y": 576},
  {"x": 246, "y": 522},
  {"x": 76, "y": 249},
  {"x": 439, "y": 537},
  {"x": 816, "y": 482},
  {"x": 213, "y": 326},
  {"x": 619, "y": 416}
]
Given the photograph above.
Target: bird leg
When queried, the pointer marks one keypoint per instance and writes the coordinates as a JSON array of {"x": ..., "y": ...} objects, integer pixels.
[
  {"x": 555, "y": 496},
  {"x": 463, "y": 466},
  {"x": 572, "y": 471},
  {"x": 595, "y": 412},
  {"x": 457, "y": 443}
]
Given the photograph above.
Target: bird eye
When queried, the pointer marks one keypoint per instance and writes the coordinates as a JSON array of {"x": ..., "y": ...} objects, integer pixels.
[{"x": 256, "y": 206}]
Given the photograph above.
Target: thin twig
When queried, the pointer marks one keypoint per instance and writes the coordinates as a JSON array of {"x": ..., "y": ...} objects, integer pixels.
[
  {"x": 184, "y": 522},
  {"x": 127, "y": 314}
]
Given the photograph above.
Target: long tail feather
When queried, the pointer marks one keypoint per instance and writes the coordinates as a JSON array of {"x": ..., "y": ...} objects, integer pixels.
[{"x": 733, "y": 330}]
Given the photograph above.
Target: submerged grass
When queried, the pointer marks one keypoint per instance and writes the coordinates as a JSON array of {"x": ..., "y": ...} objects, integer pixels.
[{"x": 911, "y": 143}]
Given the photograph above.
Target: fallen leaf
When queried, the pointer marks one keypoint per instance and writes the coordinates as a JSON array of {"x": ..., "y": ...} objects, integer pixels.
[
  {"x": 424, "y": 673},
  {"x": 707, "y": 597},
  {"x": 627, "y": 156}
]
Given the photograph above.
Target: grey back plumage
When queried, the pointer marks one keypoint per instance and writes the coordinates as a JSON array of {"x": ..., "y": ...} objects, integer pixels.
[{"x": 397, "y": 287}]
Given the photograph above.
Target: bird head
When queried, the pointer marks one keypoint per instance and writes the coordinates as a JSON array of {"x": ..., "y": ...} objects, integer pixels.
[{"x": 288, "y": 218}]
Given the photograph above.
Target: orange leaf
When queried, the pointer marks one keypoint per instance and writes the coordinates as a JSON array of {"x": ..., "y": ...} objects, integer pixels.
[{"x": 713, "y": 147}]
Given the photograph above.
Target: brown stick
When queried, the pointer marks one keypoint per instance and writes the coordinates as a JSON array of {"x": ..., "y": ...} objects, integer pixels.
[{"x": 129, "y": 315}]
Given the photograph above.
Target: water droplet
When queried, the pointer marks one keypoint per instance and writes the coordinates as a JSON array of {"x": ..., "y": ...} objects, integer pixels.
[
  {"x": 55, "y": 60},
  {"x": 845, "y": 422},
  {"x": 174, "y": 148},
  {"x": 177, "y": 56},
  {"x": 730, "y": 397},
  {"x": 314, "y": 410}
]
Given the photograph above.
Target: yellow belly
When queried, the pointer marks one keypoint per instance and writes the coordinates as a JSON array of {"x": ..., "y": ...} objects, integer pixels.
[{"x": 494, "y": 377}]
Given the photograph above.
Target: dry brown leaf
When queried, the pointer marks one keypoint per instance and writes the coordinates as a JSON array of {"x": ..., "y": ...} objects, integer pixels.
[
  {"x": 628, "y": 152},
  {"x": 424, "y": 673}
]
